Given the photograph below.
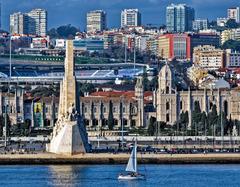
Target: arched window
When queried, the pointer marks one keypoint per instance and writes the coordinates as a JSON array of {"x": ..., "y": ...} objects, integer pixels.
[
  {"x": 134, "y": 110},
  {"x": 124, "y": 122},
  {"x": 167, "y": 118},
  {"x": 104, "y": 122},
  {"x": 46, "y": 122},
  {"x": 95, "y": 122},
  {"x": 86, "y": 122},
  {"x": 211, "y": 105},
  {"x": 133, "y": 123},
  {"x": 167, "y": 90},
  {"x": 225, "y": 107},
  {"x": 167, "y": 106},
  {"x": 115, "y": 122},
  {"x": 181, "y": 105}
]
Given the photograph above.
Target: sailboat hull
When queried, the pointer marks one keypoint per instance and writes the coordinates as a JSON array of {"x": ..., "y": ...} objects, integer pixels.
[{"x": 131, "y": 177}]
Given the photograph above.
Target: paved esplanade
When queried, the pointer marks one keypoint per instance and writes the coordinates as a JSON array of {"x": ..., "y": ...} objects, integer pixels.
[{"x": 69, "y": 134}]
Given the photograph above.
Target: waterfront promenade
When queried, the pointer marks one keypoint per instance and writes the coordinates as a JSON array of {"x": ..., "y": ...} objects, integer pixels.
[{"x": 108, "y": 158}]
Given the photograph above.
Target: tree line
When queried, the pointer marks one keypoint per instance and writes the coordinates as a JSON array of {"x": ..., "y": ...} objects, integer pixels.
[{"x": 209, "y": 124}]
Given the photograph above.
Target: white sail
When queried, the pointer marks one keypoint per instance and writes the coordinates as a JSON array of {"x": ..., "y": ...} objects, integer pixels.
[{"x": 132, "y": 162}]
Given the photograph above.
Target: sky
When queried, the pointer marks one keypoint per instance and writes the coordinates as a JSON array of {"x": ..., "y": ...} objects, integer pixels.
[{"x": 62, "y": 12}]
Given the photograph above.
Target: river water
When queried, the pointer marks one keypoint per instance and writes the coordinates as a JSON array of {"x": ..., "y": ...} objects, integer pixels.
[{"x": 106, "y": 175}]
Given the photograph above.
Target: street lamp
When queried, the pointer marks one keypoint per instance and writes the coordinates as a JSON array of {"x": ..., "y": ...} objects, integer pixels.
[
  {"x": 121, "y": 114},
  {"x": 6, "y": 121},
  {"x": 7, "y": 104},
  {"x": 10, "y": 57},
  {"x": 125, "y": 50}
]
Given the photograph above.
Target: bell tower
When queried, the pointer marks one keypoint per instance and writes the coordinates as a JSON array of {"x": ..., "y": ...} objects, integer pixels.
[{"x": 165, "y": 80}]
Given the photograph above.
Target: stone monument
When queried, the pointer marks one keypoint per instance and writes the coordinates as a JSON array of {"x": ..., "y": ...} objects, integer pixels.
[{"x": 69, "y": 135}]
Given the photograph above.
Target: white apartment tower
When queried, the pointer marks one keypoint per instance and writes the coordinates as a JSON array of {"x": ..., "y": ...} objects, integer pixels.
[
  {"x": 96, "y": 21},
  {"x": 38, "y": 22},
  {"x": 130, "y": 18},
  {"x": 18, "y": 23},
  {"x": 234, "y": 13},
  {"x": 34, "y": 22}
]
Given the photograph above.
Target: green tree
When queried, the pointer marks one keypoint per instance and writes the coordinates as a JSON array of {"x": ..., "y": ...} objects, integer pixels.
[
  {"x": 203, "y": 121},
  {"x": 25, "y": 127},
  {"x": 65, "y": 31},
  {"x": 222, "y": 118},
  {"x": 85, "y": 88},
  {"x": 151, "y": 126},
  {"x": 53, "y": 33},
  {"x": 196, "y": 115},
  {"x": 110, "y": 117},
  {"x": 212, "y": 119},
  {"x": 145, "y": 79},
  {"x": 153, "y": 84},
  {"x": 2, "y": 124},
  {"x": 232, "y": 44},
  {"x": 232, "y": 24},
  {"x": 184, "y": 120},
  {"x": 229, "y": 126}
]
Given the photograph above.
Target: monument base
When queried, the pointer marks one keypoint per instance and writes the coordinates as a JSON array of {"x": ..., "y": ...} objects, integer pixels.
[{"x": 70, "y": 140}]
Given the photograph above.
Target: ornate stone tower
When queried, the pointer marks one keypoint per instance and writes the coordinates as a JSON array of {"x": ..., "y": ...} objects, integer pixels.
[
  {"x": 165, "y": 80},
  {"x": 166, "y": 96},
  {"x": 139, "y": 94},
  {"x": 69, "y": 134}
]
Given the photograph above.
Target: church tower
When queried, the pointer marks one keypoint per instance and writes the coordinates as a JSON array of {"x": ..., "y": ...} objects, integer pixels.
[
  {"x": 166, "y": 96},
  {"x": 165, "y": 80}
]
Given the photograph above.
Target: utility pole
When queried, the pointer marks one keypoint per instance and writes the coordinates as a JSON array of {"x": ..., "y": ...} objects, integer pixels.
[
  {"x": 7, "y": 102},
  {"x": 134, "y": 53},
  {"x": 125, "y": 49},
  {"x": 121, "y": 113},
  {"x": 10, "y": 58},
  {"x": 5, "y": 120},
  {"x": 222, "y": 131}
]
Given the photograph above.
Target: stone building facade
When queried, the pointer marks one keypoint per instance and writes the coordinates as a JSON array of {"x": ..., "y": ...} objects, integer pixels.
[
  {"x": 36, "y": 111},
  {"x": 128, "y": 108},
  {"x": 12, "y": 102},
  {"x": 171, "y": 103}
]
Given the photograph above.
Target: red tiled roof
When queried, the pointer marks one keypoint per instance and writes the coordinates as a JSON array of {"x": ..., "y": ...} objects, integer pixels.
[{"x": 128, "y": 94}]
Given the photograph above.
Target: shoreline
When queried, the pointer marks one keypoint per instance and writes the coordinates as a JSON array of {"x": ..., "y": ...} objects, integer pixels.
[{"x": 101, "y": 159}]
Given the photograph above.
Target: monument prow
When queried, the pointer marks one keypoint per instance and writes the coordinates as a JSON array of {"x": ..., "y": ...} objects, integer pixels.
[{"x": 69, "y": 135}]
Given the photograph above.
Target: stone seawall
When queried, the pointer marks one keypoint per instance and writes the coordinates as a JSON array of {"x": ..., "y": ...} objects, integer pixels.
[{"x": 47, "y": 159}]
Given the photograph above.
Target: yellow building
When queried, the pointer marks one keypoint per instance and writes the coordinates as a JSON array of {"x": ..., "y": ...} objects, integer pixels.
[
  {"x": 196, "y": 73},
  {"x": 163, "y": 47},
  {"x": 225, "y": 36},
  {"x": 209, "y": 57}
]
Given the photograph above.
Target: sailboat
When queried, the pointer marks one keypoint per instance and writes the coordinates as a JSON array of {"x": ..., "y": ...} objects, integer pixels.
[{"x": 132, "y": 167}]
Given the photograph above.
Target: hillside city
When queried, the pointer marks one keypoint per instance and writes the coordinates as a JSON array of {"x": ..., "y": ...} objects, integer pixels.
[{"x": 178, "y": 79}]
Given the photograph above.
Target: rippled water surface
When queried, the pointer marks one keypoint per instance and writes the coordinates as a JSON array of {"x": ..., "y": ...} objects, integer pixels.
[{"x": 106, "y": 175}]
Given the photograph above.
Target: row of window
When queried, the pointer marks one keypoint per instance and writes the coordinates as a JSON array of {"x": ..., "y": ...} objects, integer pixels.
[
  {"x": 133, "y": 110},
  {"x": 11, "y": 109}
]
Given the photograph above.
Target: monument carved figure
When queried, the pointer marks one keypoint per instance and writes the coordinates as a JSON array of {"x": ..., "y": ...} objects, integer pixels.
[{"x": 69, "y": 134}]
